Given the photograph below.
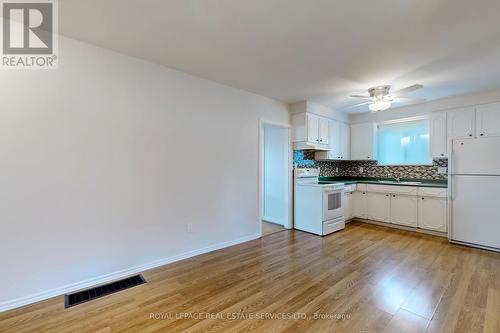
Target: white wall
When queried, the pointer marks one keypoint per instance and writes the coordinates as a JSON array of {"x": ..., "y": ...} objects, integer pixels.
[
  {"x": 106, "y": 160},
  {"x": 276, "y": 154},
  {"x": 428, "y": 107}
]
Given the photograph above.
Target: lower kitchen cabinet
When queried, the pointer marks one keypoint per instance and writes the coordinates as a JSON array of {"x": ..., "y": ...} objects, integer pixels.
[
  {"x": 359, "y": 204},
  {"x": 348, "y": 205},
  {"x": 432, "y": 214},
  {"x": 378, "y": 206},
  {"x": 404, "y": 210},
  {"x": 423, "y": 208}
]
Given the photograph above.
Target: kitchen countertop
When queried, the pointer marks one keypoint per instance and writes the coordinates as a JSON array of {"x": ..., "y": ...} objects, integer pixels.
[{"x": 385, "y": 181}]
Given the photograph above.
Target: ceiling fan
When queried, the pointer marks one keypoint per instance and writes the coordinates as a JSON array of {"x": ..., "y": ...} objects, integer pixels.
[{"x": 380, "y": 98}]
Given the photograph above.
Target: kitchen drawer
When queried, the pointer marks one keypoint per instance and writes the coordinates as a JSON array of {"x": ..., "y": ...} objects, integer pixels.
[
  {"x": 361, "y": 187},
  {"x": 333, "y": 225},
  {"x": 396, "y": 189},
  {"x": 350, "y": 188},
  {"x": 433, "y": 192}
]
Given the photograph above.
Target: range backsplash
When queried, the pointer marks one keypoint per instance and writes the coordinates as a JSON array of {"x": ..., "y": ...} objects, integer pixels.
[{"x": 305, "y": 159}]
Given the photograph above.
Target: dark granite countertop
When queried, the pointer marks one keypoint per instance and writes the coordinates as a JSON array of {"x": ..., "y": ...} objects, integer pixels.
[{"x": 386, "y": 181}]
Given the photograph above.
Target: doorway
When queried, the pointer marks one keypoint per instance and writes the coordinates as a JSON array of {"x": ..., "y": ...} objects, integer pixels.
[{"x": 275, "y": 152}]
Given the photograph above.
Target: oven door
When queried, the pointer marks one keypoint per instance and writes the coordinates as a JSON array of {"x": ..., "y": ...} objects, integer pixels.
[{"x": 332, "y": 205}]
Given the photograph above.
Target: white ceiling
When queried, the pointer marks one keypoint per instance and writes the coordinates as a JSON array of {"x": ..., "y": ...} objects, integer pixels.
[{"x": 292, "y": 50}]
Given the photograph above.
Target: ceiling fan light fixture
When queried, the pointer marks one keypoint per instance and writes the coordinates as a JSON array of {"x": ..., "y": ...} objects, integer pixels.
[
  {"x": 380, "y": 105},
  {"x": 380, "y": 98}
]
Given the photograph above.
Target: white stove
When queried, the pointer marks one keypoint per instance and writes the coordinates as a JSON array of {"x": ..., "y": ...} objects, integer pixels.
[{"x": 318, "y": 206}]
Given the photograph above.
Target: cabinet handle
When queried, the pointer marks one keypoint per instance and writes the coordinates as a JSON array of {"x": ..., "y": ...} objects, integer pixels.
[
  {"x": 393, "y": 196},
  {"x": 442, "y": 154},
  {"x": 481, "y": 134},
  {"x": 423, "y": 198},
  {"x": 364, "y": 192},
  {"x": 387, "y": 195},
  {"x": 470, "y": 134}
]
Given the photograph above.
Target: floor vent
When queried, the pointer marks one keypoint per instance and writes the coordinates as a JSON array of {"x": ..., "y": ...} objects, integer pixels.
[{"x": 100, "y": 291}]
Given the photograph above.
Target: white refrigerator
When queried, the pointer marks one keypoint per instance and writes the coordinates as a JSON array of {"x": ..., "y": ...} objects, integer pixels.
[{"x": 475, "y": 192}]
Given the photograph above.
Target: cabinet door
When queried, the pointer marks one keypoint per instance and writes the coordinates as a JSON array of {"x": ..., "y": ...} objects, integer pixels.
[
  {"x": 323, "y": 124},
  {"x": 347, "y": 205},
  {"x": 403, "y": 210},
  {"x": 312, "y": 128},
  {"x": 359, "y": 204},
  {"x": 461, "y": 123},
  {"x": 334, "y": 142},
  {"x": 432, "y": 213},
  {"x": 345, "y": 142},
  {"x": 362, "y": 141},
  {"x": 488, "y": 120},
  {"x": 378, "y": 205},
  {"x": 438, "y": 143}
]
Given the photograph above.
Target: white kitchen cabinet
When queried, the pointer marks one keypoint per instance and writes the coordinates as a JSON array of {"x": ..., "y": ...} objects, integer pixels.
[
  {"x": 488, "y": 120},
  {"x": 359, "y": 201},
  {"x": 461, "y": 123},
  {"x": 363, "y": 141},
  {"x": 334, "y": 152},
  {"x": 403, "y": 210},
  {"x": 438, "y": 135},
  {"x": 339, "y": 143},
  {"x": 348, "y": 205},
  {"x": 310, "y": 131},
  {"x": 417, "y": 207},
  {"x": 432, "y": 213},
  {"x": 312, "y": 127},
  {"x": 323, "y": 130},
  {"x": 378, "y": 206},
  {"x": 345, "y": 142}
]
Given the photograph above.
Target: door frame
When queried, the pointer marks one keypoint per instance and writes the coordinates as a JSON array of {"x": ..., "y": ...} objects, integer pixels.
[{"x": 288, "y": 169}]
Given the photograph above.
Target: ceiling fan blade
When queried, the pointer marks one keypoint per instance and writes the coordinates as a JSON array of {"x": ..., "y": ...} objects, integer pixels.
[
  {"x": 359, "y": 104},
  {"x": 408, "y": 89},
  {"x": 404, "y": 99},
  {"x": 361, "y": 96}
]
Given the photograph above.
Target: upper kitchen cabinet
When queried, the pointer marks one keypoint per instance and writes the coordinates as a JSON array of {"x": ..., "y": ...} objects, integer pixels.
[
  {"x": 461, "y": 123},
  {"x": 363, "y": 141},
  {"x": 310, "y": 131},
  {"x": 323, "y": 132},
  {"x": 488, "y": 120},
  {"x": 438, "y": 143},
  {"x": 481, "y": 121},
  {"x": 345, "y": 141},
  {"x": 339, "y": 142}
]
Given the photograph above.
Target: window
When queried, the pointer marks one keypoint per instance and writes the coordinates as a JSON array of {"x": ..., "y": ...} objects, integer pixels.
[{"x": 404, "y": 143}]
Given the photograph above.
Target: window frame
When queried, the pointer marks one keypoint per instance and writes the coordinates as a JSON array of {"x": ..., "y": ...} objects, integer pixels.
[{"x": 402, "y": 121}]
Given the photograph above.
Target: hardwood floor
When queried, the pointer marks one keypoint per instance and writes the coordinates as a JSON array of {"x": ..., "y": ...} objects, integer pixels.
[
  {"x": 364, "y": 279},
  {"x": 270, "y": 228}
]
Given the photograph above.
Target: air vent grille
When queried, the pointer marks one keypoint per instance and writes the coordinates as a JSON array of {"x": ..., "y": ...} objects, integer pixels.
[{"x": 100, "y": 291}]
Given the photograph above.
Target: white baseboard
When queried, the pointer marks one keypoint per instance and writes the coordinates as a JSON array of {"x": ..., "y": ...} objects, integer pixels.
[{"x": 69, "y": 288}]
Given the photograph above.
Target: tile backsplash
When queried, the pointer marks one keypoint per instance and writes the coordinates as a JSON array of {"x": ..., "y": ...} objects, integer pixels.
[{"x": 305, "y": 159}]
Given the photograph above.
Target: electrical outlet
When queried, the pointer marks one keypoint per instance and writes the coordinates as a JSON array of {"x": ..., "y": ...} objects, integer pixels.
[
  {"x": 442, "y": 170},
  {"x": 361, "y": 169},
  {"x": 190, "y": 227}
]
